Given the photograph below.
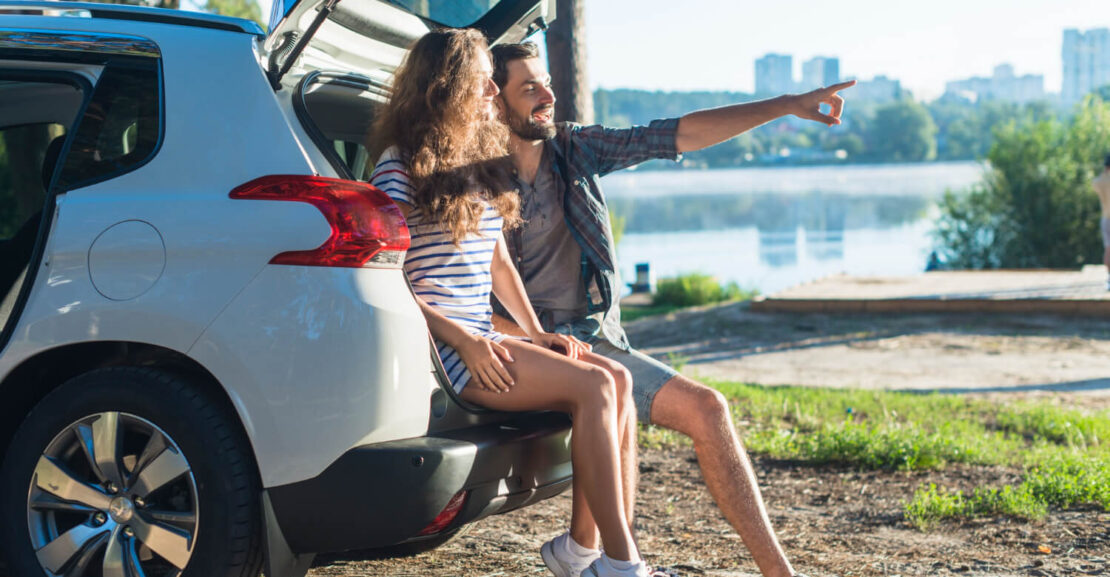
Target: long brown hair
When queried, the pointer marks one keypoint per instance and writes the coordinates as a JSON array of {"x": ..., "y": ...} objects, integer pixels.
[{"x": 455, "y": 155}]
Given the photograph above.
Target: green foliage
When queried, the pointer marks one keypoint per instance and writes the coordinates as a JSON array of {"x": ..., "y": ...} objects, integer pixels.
[
  {"x": 931, "y": 505},
  {"x": 886, "y": 430},
  {"x": 907, "y": 448},
  {"x": 904, "y": 132},
  {"x": 1068, "y": 480},
  {"x": 1035, "y": 208},
  {"x": 1062, "y": 455},
  {"x": 696, "y": 289},
  {"x": 1065, "y": 481},
  {"x": 247, "y": 9},
  {"x": 1041, "y": 422}
]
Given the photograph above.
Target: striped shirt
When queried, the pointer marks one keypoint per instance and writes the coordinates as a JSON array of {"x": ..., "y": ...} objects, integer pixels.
[{"x": 453, "y": 279}]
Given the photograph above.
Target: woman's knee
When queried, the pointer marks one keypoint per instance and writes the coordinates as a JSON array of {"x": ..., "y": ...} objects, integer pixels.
[
  {"x": 622, "y": 381},
  {"x": 595, "y": 389}
]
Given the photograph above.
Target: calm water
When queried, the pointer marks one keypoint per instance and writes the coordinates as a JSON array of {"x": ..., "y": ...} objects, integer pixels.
[{"x": 772, "y": 228}]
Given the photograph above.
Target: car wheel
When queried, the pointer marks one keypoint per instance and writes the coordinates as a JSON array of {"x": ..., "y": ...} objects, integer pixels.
[{"x": 129, "y": 472}]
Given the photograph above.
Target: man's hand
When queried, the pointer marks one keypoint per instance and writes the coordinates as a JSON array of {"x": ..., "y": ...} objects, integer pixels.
[{"x": 808, "y": 105}]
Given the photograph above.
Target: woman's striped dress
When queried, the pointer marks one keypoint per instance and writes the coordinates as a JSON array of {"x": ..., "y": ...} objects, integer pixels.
[{"x": 454, "y": 279}]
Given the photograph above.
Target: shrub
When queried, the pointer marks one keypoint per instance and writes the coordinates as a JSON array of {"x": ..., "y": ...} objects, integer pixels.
[
  {"x": 1035, "y": 208},
  {"x": 697, "y": 289}
]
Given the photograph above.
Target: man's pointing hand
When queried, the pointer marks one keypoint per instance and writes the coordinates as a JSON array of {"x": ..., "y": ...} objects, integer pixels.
[{"x": 808, "y": 105}]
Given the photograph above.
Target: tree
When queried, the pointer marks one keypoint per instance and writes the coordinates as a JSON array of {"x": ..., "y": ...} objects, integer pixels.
[
  {"x": 1035, "y": 207},
  {"x": 247, "y": 9},
  {"x": 566, "y": 58},
  {"x": 903, "y": 131}
]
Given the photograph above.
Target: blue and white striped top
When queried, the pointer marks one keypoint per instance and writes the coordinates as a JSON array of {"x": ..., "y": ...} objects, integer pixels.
[{"x": 453, "y": 279}]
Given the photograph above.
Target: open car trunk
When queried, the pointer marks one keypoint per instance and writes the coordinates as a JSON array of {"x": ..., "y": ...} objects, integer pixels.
[{"x": 370, "y": 37}]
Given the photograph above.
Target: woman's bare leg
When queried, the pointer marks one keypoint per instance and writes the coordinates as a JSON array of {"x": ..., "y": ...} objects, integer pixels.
[
  {"x": 582, "y": 526},
  {"x": 545, "y": 380}
]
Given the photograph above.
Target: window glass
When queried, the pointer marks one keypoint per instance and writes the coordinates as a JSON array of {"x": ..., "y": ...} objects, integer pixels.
[
  {"x": 23, "y": 172},
  {"x": 35, "y": 116},
  {"x": 454, "y": 13},
  {"x": 120, "y": 128}
]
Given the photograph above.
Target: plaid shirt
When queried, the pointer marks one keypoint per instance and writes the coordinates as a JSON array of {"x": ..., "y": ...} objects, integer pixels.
[{"x": 583, "y": 154}]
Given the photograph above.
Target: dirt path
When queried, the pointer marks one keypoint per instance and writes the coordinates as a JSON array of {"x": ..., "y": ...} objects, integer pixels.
[
  {"x": 831, "y": 521},
  {"x": 957, "y": 353}
]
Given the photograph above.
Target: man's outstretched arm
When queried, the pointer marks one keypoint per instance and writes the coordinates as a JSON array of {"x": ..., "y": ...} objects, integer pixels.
[{"x": 703, "y": 128}]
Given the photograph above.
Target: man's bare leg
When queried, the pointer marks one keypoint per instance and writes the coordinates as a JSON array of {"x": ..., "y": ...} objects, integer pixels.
[{"x": 702, "y": 414}]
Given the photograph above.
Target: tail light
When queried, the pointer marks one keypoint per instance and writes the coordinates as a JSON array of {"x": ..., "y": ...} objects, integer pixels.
[
  {"x": 447, "y": 515},
  {"x": 367, "y": 228}
]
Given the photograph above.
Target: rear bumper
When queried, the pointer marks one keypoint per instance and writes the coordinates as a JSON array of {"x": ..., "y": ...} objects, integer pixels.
[{"x": 383, "y": 494}]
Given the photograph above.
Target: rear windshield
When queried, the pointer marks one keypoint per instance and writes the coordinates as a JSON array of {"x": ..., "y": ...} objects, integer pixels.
[{"x": 453, "y": 13}]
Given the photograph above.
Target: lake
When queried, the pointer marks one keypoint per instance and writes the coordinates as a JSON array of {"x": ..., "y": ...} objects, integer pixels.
[{"x": 772, "y": 228}]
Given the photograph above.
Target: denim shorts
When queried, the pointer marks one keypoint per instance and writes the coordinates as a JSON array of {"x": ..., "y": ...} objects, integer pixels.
[{"x": 648, "y": 374}]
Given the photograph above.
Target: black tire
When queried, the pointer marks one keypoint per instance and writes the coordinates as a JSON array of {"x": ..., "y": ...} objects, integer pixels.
[{"x": 220, "y": 487}]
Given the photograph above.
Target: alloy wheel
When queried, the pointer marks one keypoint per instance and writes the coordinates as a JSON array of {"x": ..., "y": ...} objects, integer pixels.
[{"x": 113, "y": 496}]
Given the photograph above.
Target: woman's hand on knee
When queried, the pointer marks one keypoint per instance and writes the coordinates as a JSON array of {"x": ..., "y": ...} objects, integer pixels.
[
  {"x": 564, "y": 344},
  {"x": 486, "y": 360}
]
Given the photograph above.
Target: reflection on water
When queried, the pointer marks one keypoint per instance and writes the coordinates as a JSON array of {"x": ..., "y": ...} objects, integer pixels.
[
  {"x": 774, "y": 228},
  {"x": 773, "y": 213}
]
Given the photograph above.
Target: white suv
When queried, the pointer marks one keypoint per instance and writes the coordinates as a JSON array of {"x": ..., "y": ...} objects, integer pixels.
[{"x": 211, "y": 359}]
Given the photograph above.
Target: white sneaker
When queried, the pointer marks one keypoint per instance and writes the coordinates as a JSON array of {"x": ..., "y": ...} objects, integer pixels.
[
  {"x": 562, "y": 564},
  {"x": 601, "y": 569}
]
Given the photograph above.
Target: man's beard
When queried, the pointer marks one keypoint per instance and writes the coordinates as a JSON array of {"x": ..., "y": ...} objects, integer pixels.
[{"x": 528, "y": 129}]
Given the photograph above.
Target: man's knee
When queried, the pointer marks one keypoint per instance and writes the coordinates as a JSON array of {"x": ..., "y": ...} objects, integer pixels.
[{"x": 692, "y": 408}]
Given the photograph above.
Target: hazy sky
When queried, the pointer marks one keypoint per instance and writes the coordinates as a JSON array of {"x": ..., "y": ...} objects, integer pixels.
[
  {"x": 712, "y": 44},
  {"x": 705, "y": 44}
]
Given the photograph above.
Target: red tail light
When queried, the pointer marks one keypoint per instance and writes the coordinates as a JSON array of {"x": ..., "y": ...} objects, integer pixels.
[
  {"x": 447, "y": 515},
  {"x": 367, "y": 228}
]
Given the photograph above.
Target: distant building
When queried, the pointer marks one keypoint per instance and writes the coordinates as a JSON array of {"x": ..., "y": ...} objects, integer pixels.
[
  {"x": 880, "y": 90},
  {"x": 1086, "y": 62},
  {"x": 820, "y": 71},
  {"x": 774, "y": 74},
  {"x": 1003, "y": 85}
]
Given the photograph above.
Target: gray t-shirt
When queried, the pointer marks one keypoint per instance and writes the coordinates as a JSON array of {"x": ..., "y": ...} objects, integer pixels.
[{"x": 550, "y": 266}]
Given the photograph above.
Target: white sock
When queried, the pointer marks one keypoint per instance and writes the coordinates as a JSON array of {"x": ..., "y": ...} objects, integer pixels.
[
  {"x": 572, "y": 548},
  {"x": 619, "y": 568}
]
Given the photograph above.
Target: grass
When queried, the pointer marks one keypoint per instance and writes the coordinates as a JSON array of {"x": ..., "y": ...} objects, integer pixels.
[
  {"x": 1063, "y": 456},
  {"x": 631, "y": 313}
]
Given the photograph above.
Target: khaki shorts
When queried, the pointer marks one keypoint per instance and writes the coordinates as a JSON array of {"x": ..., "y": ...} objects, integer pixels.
[{"x": 648, "y": 374}]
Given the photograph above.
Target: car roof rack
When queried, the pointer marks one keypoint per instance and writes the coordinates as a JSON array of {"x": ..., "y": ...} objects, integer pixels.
[{"x": 135, "y": 13}]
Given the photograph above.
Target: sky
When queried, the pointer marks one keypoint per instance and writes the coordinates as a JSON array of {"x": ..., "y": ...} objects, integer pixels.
[{"x": 713, "y": 44}]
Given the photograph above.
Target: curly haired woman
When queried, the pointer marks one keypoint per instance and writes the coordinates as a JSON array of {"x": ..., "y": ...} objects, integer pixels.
[{"x": 443, "y": 167}]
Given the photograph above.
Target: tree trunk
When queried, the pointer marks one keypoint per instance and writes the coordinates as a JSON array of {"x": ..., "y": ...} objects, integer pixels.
[{"x": 566, "y": 58}]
